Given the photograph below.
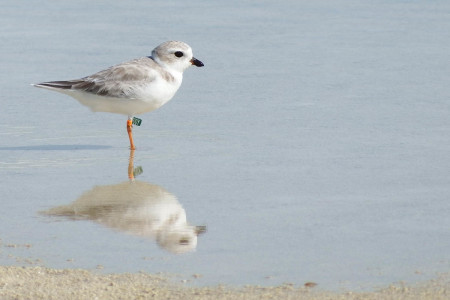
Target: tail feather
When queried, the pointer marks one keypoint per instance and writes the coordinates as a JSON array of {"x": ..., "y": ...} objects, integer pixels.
[{"x": 65, "y": 85}]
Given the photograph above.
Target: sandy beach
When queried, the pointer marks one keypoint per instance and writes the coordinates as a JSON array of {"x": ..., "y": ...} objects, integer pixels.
[{"x": 45, "y": 283}]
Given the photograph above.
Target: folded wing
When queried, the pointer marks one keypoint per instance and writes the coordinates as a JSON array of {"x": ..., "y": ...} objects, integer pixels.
[{"x": 120, "y": 81}]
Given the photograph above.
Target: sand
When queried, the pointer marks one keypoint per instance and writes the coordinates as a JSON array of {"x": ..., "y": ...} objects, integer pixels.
[{"x": 45, "y": 283}]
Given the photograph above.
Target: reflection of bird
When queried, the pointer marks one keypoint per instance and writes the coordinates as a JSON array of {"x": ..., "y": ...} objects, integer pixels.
[
  {"x": 137, "y": 208},
  {"x": 134, "y": 87}
]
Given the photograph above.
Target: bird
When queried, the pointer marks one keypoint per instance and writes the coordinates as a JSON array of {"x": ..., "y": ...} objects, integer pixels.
[
  {"x": 134, "y": 87},
  {"x": 136, "y": 208}
]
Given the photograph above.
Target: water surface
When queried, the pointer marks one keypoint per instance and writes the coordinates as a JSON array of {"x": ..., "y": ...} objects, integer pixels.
[{"x": 313, "y": 146}]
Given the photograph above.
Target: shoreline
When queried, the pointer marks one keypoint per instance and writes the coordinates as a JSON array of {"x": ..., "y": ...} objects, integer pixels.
[{"x": 35, "y": 282}]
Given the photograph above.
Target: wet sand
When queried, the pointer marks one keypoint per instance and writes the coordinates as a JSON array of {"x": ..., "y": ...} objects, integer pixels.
[{"x": 46, "y": 283}]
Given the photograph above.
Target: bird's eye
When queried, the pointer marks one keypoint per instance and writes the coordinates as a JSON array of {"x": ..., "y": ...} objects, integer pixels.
[
  {"x": 184, "y": 241},
  {"x": 178, "y": 54}
]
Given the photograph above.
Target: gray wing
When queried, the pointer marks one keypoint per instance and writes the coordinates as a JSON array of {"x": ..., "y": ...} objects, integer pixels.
[{"x": 120, "y": 80}]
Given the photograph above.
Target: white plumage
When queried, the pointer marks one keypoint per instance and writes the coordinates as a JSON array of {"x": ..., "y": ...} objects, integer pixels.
[{"x": 134, "y": 87}]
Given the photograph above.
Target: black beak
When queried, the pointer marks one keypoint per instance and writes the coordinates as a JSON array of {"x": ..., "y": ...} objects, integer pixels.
[
  {"x": 196, "y": 62},
  {"x": 200, "y": 229}
]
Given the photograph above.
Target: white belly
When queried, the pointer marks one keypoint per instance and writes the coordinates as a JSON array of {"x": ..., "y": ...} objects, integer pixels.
[
  {"x": 123, "y": 106},
  {"x": 145, "y": 99}
]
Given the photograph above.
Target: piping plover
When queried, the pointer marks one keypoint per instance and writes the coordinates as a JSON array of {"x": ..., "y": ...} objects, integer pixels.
[{"x": 134, "y": 87}]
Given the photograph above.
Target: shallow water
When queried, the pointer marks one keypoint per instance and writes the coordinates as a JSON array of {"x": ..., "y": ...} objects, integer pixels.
[{"x": 313, "y": 146}]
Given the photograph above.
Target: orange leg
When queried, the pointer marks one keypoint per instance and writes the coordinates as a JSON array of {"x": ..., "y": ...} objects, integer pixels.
[
  {"x": 131, "y": 165},
  {"x": 130, "y": 134}
]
